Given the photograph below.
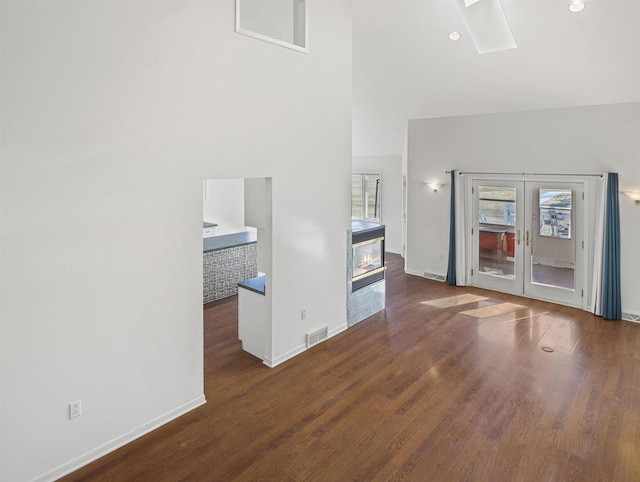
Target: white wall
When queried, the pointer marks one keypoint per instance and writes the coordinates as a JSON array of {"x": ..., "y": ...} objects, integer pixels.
[
  {"x": 592, "y": 139},
  {"x": 224, "y": 205},
  {"x": 391, "y": 195},
  {"x": 112, "y": 115}
]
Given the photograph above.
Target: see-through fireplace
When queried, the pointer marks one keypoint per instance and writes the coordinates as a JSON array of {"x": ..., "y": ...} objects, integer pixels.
[{"x": 367, "y": 256}]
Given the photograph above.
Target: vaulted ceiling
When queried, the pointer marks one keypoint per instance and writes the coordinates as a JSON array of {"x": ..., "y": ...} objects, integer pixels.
[{"x": 405, "y": 66}]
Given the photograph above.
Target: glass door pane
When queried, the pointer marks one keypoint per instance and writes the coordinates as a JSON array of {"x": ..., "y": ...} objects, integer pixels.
[
  {"x": 496, "y": 213},
  {"x": 365, "y": 196},
  {"x": 372, "y": 194},
  {"x": 496, "y": 253},
  {"x": 552, "y": 242},
  {"x": 554, "y": 259}
]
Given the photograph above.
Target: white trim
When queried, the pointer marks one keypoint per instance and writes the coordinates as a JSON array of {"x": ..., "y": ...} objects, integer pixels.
[
  {"x": 337, "y": 330},
  {"x": 281, "y": 43},
  {"x": 272, "y": 363},
  {"x": 393, "y": 251},
  {"x": 413, "y": 273},
  {"x": 595, "y": 299},
  {"x": 542, "y": 298},
  {"x": 462, "y": 221},
  {"x": 116, "y": 443}
]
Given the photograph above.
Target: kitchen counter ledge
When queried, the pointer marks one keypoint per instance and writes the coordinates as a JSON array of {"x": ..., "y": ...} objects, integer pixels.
[{"x": 216, "y": 243}]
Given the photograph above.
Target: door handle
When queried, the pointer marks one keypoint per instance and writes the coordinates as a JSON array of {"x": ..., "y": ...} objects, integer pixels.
[
  {"x": 518, "y": 237},
  {"x": 527, "y": 239}
]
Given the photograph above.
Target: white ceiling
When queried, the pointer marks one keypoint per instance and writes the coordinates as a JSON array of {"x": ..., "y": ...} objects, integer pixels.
[{"x": 405, "y": 67}]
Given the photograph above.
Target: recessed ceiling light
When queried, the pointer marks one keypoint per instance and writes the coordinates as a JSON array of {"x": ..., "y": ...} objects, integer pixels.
[
  {"x": 454, "y": 36},
  {"x": 576, "y": 6}
]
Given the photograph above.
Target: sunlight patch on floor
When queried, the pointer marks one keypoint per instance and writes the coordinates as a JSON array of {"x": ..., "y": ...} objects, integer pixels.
[
  {"x": 454, "y": 301},
  {"x": 494, "y": 310}
]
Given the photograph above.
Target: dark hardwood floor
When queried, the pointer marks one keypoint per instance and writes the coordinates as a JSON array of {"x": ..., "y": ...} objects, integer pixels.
[{"x": 415, "y": 393}]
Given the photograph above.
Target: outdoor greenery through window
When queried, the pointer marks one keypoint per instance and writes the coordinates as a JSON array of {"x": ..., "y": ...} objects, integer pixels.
[
  {"x": 497, "y": 205},
  {"x": 365, "y": 196}
]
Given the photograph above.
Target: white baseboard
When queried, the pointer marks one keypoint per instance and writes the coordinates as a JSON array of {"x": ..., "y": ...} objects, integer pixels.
[
  {"x": 338, "y": 329},
  {"x": 271, "y": 363},
  {"x": 120, "y": 441},
  {"x": 414, "y": 273},
  {"x": 633, "y": 317},
  {"x": 393, "y": 251}
]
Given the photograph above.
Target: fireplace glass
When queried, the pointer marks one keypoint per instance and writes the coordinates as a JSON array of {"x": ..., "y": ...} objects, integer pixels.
[
  {"x": 367, "y": 257},
  {"x": 368, "y": 262}
]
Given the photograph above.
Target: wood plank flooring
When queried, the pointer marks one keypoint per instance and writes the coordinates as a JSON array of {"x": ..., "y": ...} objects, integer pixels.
[{"x": 417, "y": 393}]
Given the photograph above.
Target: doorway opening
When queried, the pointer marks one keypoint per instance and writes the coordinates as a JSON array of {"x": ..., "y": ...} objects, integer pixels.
[{"x": 237, "y": 252}]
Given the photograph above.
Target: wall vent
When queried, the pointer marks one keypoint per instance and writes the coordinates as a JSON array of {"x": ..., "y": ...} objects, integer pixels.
[
  {"x": 317, "y": 336},
  {"x": 631, "y": 317},
  {"x": 434, "y": 277}
]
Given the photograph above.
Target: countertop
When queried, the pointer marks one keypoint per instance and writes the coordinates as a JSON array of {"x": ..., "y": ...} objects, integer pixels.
[
  {"x": 254, "y": 284},
  {"x": 216, "y": 243}
]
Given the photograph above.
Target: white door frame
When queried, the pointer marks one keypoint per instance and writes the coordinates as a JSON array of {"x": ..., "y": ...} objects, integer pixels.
[
  {"x": 505, "y": 284},
  {"x": 584, "y": 242}
]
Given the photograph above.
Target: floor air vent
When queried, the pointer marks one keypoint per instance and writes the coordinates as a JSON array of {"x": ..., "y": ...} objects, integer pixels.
[
  {"x": 317, "y": 336},
  {"x": 435, "y": 277}
]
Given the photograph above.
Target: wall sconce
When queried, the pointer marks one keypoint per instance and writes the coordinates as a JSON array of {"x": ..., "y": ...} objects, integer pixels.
[
  {"x": 576, "y": 6},
  {"x": 434, "y": 185},
  {"x": 635, "y": 195}
]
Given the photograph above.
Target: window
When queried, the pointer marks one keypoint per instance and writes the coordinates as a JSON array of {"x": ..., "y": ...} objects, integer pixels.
[
  {"x": 555, "y": 213},
  {"x": 497, "y": 205},
  {"x": 365, "y": 196},
  {"x": 281, "y": 22}
]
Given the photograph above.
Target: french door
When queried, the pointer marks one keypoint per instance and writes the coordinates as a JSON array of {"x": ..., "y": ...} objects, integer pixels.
[{"x": 527, "y": 238}]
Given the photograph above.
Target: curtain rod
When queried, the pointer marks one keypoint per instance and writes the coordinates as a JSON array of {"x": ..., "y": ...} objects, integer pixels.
[{"x": 527, "y": 174}]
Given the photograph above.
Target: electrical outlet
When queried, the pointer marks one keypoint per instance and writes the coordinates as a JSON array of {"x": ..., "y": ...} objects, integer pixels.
[
  {"x": 75, "y": 409},
  {"x": 303, "y": 314}
]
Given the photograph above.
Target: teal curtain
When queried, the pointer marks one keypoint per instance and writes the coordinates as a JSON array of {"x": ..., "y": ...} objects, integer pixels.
[
  {"x": 611, "y": 298},
  {"x": 451, "y": 269}
]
